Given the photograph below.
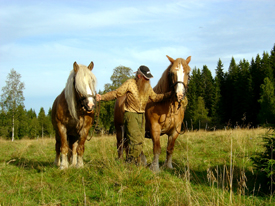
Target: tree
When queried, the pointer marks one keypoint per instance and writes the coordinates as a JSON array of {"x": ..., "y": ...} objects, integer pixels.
[
  {"x": 218, "y": 108},
  {"x": 272, "y": 62},
  {"x": 267, "y": 102},
  {"x": 33, "y": 124},
  {"x": 21, "y": 124},
  {"x": 13, "y": 95},
  {"x": 208, "y": 88},
  {"x": 200, "y": 114},
  {"x": 42, "y": 121},
  {"x": 244, "y": 103},
  {"x": 49, "y": 128},
  {"x": 191, "y": 96},
  {"x": 120, "y": 75}
]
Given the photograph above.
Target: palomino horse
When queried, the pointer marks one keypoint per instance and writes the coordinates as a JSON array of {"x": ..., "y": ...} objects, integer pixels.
[
  {"x": 164, "y": 117},
  {"x": 73, "y": 115}
]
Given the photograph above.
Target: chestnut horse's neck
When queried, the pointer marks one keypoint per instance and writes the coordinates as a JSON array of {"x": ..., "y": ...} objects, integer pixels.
[{"x": 163, "y": 84}]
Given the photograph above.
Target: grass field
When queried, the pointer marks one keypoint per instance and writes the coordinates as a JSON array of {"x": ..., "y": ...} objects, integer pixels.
[{"x": 201, "y": 174}]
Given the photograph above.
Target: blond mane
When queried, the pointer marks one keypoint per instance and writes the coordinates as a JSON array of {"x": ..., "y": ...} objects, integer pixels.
[{"x": 79, "y": 81}]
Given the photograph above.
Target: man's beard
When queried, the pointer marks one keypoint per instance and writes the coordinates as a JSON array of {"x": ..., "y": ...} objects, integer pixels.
[{"x": 143, "y": 86}]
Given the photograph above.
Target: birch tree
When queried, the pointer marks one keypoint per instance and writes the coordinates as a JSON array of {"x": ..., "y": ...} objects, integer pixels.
[{"x": 12, "y": 95}]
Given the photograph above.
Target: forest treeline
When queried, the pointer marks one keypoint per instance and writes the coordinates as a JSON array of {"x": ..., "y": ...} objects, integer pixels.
[{"x": 241, "y": 96}]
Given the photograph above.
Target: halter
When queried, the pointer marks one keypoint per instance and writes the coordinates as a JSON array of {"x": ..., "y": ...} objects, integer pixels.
[
  {"x": 178, "y": 82},
  {"x": 82, "y": 98}
]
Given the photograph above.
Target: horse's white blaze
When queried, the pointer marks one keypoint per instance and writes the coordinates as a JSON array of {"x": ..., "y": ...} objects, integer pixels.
[
  {"x": 91, "y": 102},
  {"x": 180, "y": 78}
]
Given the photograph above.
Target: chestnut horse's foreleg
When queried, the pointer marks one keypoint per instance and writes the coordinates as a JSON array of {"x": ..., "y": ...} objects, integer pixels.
[
  {"x": 170, "y": 148},
  {"x": 155, "y": 134}
]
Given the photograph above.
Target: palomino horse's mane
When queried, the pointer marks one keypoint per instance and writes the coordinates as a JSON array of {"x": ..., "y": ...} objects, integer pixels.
[
  {"x": 80, "y": 81},
  {"x": 163, "y": 83}
]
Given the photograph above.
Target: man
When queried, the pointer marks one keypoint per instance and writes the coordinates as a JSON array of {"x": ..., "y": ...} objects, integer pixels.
[{"x": 138, "y": 91}]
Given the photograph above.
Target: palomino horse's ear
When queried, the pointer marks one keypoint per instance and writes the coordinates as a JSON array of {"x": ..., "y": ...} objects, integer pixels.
[
  {"x": 170, "y": 59},
  {"x": 76, "y": 67},
  {"x": 91, "y": 66},
  {"x": 188, "y": 59}
]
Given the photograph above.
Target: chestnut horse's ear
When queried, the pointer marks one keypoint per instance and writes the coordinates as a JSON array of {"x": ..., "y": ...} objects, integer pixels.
[
  {"x": 91, "y": 66},
  {"x": 170, "y": 59},
  {"x": 188, "y": 59},
  {"x": 76, "y": 67}
]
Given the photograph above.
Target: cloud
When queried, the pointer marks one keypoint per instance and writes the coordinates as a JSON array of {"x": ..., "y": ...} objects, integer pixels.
[{"x": 42, "y": 39}]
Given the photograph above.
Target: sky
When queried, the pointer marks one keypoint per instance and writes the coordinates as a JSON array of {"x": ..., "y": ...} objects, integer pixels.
[{"x": 41, "y": 40}]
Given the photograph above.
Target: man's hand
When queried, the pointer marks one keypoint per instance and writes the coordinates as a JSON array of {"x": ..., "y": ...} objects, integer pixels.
[{"x": 98, "y": 97}]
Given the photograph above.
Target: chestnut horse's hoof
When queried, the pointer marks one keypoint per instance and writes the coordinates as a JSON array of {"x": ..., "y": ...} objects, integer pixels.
[{"x": 169, "y": 166}]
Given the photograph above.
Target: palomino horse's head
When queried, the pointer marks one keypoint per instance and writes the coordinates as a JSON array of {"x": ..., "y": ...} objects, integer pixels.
[
  {"x": 84, "y": 82},
  {"x": 179, "y": 76}
]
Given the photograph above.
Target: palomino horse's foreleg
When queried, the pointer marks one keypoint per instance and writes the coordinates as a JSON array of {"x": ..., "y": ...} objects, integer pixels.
[
  {"x": 156, "y": 150},
  {"x": 74, "y": 154},
  {"x": 64, "y": 156},
  {"x": 57, "y": 150},
  {"x": 170, "y": 148},
  {"x": 63, "y": 147}
]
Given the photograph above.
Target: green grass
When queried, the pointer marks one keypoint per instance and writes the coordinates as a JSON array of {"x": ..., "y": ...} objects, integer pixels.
[{"x": 201, "y": 174}]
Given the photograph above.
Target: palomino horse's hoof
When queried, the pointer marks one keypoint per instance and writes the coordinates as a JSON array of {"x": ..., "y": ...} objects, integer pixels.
[
  {"x": 154, "y": 168},
  {"x": 62, "y": 167},
  {"x": 79, "y": 166}
]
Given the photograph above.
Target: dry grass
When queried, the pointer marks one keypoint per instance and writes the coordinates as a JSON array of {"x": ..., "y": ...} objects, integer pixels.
[{"x": 210, "y": 168}]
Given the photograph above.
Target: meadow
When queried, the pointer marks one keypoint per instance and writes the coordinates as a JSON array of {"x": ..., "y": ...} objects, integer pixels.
[{"x": 210, "y": 168}]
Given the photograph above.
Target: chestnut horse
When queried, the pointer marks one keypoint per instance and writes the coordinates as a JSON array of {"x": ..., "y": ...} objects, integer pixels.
[
  {"x": 73, "y": 115},
  {"x": 164, "y": 117}
]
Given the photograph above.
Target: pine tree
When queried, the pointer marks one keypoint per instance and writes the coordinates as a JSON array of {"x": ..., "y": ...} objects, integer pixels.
[
  {"x": 266, "y": 66},
  {"x": 33, "y": 124},
  {"x": 217, "y": 106},
  {"x": 267, "y": 102},
  {"x": 201, "y": 114},
  {"x": 49, "y": 127},
  {"x": 244, "y": 94},
  {"x": 192, "y": 96},
  {"x": 208, "y": 88},
  {"x": 230, "y": 99},
  {"x": 21, "y": 123},
  {"x": 272, "y": 62},
  {"x": 42, "y": 121}
]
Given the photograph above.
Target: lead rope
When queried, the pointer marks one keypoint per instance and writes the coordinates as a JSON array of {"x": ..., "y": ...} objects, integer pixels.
[
  {"x": 181, "y": 132},
  {"x": 97, "y": 113}
]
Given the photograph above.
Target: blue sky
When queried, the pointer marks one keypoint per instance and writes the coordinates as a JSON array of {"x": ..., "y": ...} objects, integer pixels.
[{"x": 42, "y": 39}]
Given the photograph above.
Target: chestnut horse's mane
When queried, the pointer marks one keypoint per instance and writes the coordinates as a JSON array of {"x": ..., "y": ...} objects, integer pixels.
[
  {"x": 163, "y": 83},
  {"x": 78, "y": 81}
]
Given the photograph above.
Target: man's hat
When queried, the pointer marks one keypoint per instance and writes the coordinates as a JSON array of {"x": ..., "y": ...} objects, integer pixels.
[{"x": 145, "y": 71}]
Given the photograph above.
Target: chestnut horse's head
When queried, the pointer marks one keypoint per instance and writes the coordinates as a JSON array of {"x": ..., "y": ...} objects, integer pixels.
[
  {"x": 179, "y": 76},
  {"x": 81, "y": 88}
]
